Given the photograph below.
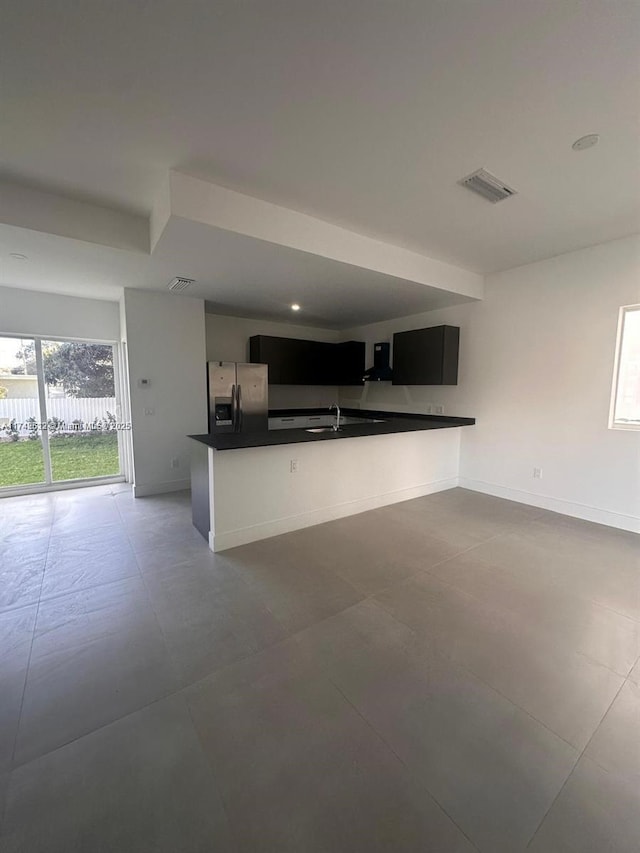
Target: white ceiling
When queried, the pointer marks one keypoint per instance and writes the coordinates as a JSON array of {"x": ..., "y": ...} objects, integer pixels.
[
  {"x": 361, "y": 113},
  {"x": 254, "y": 278},
  {"x": 237, "y": 275}
]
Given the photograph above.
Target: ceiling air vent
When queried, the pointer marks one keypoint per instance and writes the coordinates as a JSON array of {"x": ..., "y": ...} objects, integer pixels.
[
  {"x": 179, "y": 283},
  {"x": 487, "y": 185}
]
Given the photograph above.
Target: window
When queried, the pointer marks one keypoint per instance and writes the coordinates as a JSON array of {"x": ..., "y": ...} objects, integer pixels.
[{"x": 625, "y": 402}]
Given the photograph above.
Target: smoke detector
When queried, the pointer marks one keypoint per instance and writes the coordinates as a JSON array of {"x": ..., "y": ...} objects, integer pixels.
[
  {"x": 587, "y": 141},
  {"x": 487, "y": 185},
  {"x": 180, "y": 283}
]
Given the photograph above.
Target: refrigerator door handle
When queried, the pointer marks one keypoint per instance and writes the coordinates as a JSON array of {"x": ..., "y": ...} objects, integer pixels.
[
  {"x": 234, "y": 416},
  {"x": 239, "y": 399}
]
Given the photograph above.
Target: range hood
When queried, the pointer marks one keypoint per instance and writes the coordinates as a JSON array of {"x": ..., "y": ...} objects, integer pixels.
[{"x": 381, "y": 370}]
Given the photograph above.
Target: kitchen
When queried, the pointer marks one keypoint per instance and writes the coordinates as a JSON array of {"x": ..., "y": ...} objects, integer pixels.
[{"x": 262, "y": 471}]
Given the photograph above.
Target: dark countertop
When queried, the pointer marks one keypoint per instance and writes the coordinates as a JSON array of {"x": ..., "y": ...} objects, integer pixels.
[{"x": 393, "y": 423}]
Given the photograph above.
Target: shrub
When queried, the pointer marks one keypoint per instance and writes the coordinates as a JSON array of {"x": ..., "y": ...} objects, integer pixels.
[
  {"x": 33, "y": 428},
  {"x": 54, "y": 424}
]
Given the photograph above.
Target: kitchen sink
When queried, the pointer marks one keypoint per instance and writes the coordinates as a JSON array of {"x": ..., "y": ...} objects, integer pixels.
[{"x": 345, "y": 422}]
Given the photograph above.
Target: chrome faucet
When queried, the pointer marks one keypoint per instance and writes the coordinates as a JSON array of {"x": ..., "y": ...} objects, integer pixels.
[{"x": 336, "y": 426}]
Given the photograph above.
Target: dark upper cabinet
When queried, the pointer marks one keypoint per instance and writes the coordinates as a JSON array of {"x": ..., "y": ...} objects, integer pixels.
[
  {"x": 322, "y": 367},
  {"x": 426, "y": 356},
  {"x": 350, "y": 363},
  {"x": 290, "y": 360},
  {"x": 299, "y": 362}
]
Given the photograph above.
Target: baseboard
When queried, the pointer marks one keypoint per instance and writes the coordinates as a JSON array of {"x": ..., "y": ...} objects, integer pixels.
[
  {"x": 242, "y": 536},
  {"x": 576, "y": 510},
  {"x": 142, "y": 490}
]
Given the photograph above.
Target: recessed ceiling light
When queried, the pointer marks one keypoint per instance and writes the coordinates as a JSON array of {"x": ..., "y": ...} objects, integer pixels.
[
  {"x": 17, "y": 256},
  {"x": 587, "y": 141},
  {"x": 295, "y": 307}
]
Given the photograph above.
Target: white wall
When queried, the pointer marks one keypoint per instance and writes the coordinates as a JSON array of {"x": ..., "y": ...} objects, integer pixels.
[
  {"x": 26, "y": 207},
  {"x": 536, "y": 364},
  {"x": 29, "y": 312},
  {"x": 165, "y": 336},
  {"x": 255, "y": 495},
  {"x": 228, "y": 340},
  {"x": 190, "y": 198}
]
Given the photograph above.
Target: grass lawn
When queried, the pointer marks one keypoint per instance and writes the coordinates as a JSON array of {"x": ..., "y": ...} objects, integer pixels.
[{"x": 72, "y": 457}]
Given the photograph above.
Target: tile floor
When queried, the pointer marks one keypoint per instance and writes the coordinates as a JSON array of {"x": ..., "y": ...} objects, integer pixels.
[{"x": 454, "y": 673}]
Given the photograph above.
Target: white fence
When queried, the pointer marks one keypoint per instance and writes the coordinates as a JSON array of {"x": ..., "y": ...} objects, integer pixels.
[{"x": 66, "y": 409}]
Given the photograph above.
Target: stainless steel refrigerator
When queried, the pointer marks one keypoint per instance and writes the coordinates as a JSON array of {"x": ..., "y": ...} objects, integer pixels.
[{"x": 238, "y": 397}]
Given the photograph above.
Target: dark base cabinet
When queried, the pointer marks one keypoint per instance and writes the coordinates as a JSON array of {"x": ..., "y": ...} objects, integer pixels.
[
  {"x": 299, "y": 362},
  {"x": 426, "y": 356},
  {"x": 200, "y": 488}
]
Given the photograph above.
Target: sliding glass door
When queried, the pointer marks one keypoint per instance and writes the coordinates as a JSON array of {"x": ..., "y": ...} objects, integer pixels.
[
  {"x": 81, "y": 409},
  {"x": 22, "y": 460},
  {"x": 58, "y": 412}
]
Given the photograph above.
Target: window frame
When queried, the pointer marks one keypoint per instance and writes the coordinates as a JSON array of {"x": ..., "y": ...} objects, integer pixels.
[{"x": 625, "y": 310}]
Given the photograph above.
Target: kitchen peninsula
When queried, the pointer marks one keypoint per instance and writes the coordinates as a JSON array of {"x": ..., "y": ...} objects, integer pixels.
[{"x": 250, "y": 486}]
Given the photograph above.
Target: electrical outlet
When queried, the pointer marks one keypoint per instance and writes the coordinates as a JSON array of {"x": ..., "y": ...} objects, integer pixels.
[
  {"x": 537, "y": 473},
  {"x": 175, "y": 462},
  {"x": 149, "y": 412},
  {"x": 293, "y": 466},
  {"x": 427, "y": 409},
  {"x": 438, "y": 410}
]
